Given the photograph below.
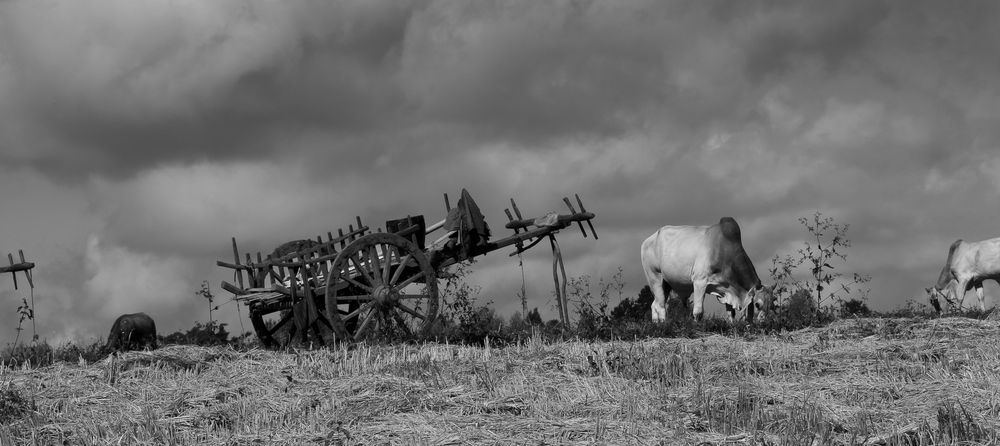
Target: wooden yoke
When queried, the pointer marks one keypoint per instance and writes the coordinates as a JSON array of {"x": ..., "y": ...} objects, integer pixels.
[
  {"x": 21, "y": 266},
  {"x": 534, "y": 230}
]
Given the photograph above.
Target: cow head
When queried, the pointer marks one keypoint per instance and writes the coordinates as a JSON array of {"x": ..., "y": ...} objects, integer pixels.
[
  {"x": 727, "y": 296},
  {"x": 749, "y": 303},
  {"x": 758, "y": 301},
  {"x": 933, "y": 293}
]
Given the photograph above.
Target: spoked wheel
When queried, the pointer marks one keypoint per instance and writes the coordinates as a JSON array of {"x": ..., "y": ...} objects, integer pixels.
[{"x": 381, "y": 284}]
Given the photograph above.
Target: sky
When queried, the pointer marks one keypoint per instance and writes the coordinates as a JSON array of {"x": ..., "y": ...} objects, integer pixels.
[{"x": 136, "y": 139}]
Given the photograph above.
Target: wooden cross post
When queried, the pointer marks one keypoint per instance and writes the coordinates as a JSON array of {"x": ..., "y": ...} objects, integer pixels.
[
  {"x": 15, "y": 267},
  {"x": 557, "y": 266}
]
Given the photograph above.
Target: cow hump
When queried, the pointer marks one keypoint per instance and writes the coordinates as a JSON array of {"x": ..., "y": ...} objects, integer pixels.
[
  {"x": 952, "y": 248},
  {"x": 729, "y": 229}
]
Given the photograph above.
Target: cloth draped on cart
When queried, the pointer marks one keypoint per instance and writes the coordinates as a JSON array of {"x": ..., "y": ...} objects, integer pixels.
[{"x": 469, "y": 223}]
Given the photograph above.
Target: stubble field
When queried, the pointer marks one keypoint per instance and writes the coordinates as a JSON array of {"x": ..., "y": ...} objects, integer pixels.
[{"x": 862, "y": 381}]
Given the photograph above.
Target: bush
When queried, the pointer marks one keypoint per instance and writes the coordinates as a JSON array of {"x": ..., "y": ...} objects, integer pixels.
[
  {"x": 534, "y": 318},
  {"x": 35, "y": 354},
  {"x": 462, "y": 318},
  {"x": 40, "y": 354},
  {"x": 70, "y": 352},
  {"x": 211, "y": 333},
  {"x": 854, "y": 308},
  {"x": 634, "y": 310},
  {"x": 799, "y": 311},
  {"x": 799, "y": 308}
]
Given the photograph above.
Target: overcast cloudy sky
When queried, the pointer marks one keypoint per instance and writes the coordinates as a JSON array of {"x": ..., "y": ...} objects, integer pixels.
[{"x": 136, "y": 139}]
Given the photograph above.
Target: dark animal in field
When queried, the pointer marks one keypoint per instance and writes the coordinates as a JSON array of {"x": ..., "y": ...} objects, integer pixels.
[
  {"x": 690, "y": 261},
  {"x": 131, "y": 332},
  {"x": 968, "y": 265}
]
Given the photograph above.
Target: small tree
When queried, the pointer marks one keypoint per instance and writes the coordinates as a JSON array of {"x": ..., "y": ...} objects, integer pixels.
[
  {"x": 827, "y": 242},
  {"x": 25, "y": 312},
  {"x": 206, "y": 292},
  {"x": 830, "y": 243}
]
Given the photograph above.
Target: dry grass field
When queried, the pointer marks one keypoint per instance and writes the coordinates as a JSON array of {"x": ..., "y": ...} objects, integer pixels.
[{"x": 862, "y": 381}]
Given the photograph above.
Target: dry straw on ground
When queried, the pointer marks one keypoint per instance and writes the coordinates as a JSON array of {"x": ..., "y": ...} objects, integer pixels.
[{"x": 866, "y": 381}]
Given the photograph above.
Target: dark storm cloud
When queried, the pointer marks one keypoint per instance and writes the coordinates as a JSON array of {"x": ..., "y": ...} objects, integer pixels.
[
  {"x": 830, "y": 33},
  {"x": 185, "y": 81},
  {"x": 532, "y": 70}
]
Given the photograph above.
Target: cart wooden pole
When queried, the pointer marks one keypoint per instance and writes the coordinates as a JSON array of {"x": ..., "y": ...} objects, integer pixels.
[{"x": 557, "y": 265}]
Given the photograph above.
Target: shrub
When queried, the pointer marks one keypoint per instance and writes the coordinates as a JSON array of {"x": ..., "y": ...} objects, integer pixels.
[
  {"x": 70, "y": 352},
  {"x": 634, "y": 310},
  {"x": 211, "y": 333},
  {"x": 798, "y": 311},
  {"x": 534, "y": 318},
  {"x": 35, "y": 354},
  {"x": 854, "y": 308},
  {"x": 592, "y": 310},
  {"x": 462, "y": 318}
]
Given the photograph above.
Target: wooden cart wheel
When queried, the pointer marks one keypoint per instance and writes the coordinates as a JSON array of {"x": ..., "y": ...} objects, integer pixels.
[
  {"x": 264, "y": 333},
  {"x": 381, "y": 284}
]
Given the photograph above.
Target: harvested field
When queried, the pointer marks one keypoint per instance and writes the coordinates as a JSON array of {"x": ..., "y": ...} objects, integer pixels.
[{"x": 863, "y": 381}]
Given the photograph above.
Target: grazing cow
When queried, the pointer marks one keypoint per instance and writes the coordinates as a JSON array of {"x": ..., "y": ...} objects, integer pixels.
[
  {"x": 968, "y": 265},
  {"x": 689, "y": 261},
  {"x": 136, "y": 330}
]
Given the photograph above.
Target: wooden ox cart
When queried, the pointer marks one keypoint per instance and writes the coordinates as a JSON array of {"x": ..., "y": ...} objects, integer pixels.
[{"x": 360, "y": 281}]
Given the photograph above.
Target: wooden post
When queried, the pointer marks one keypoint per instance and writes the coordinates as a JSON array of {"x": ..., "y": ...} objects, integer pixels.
[
  {"x": 573, "y": 211},
  {"x": 10, "y": 257},
  {"x": 584, "y": 210},
  {"x": 511, "y": 218},
  {"x": 27, "y": 273},
  {"x": 310, "y": 304},
  {"x": 261, "y": 274},
  {"x": 236, "y": 259},
  {"x": 557, "y": 266},
  {"x": 517, "y": 211}
]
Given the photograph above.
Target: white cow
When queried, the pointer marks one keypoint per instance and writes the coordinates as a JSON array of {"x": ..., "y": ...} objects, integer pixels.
[
  {"x": 968, "y": 265},
  {"x": 689, "y": 261}
]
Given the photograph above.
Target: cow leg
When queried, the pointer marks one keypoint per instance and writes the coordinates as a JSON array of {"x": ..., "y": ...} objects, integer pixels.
[
  {"x": 656, "y": 285},
  {"x": 960, "y": 288},
  {"x": 698, "y": 298},
  {"x": 659, "y": 303},
  {"x": 981, "y": 295}
]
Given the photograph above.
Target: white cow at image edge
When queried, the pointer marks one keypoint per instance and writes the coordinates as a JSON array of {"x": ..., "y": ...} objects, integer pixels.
[
  {"x": 968, "y": 265},
  {"x": 689, "y": 261}
]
